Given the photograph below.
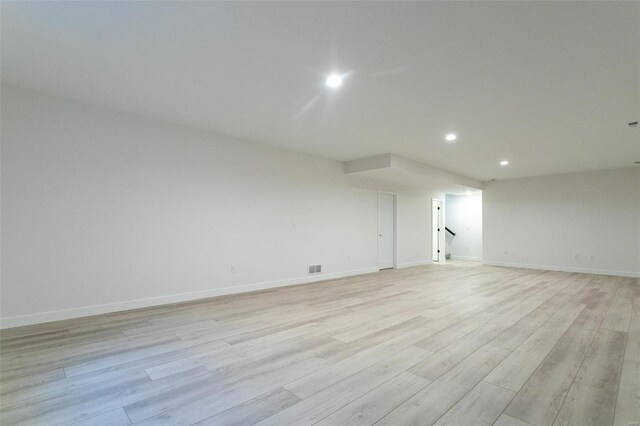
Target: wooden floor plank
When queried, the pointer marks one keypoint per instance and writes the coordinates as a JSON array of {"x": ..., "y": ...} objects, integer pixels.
[
  {"x": 376, "y": 404},
  {"x": 619, "y": 313},
  {"x": 505, "y": 420},
  {"x": 450, "y": 343},
  {"x": 628, "y": 403},
  {"x": 115, "y": 417},
  {"x": 481, "y": 406},
  {"x": 428, "y": 405},
  {"x": 539, "y": 400},
  {"x": 315, "y": 408},
  {"x": 254, "y": 410},
  {"x": 174, "y": 408},
  {"x": 632, "y": 352},
  {"x": 514, "y": 371},
  {"x": 591, "y": 400}
]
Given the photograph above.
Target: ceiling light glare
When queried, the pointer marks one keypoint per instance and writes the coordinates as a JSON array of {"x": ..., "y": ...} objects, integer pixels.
[
  {"x": 451, "y": 137},
  {"x": 333, "y": 81},
  {"x": 504, "y": 163}
]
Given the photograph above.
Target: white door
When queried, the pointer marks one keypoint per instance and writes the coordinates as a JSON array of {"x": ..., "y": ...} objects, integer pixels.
[
  {"x": 386, "y": 230},
  {"x": 437, "y": 229}
]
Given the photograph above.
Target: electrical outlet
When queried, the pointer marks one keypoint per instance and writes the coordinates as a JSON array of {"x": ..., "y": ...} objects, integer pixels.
[{"x": 233, "y": 269}]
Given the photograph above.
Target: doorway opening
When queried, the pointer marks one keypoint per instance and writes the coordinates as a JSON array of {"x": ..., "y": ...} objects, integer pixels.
[
  {"x": 463, "y": 226},
  {"x": 386, "y": 230}
]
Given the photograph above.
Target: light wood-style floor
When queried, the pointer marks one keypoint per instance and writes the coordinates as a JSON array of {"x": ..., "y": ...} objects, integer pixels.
[{"x": 451, "y": 344}]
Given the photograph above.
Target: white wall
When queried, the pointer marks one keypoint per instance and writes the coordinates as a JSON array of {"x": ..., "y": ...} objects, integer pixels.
[
  {"x": 103, "y": 211},
  {"x": 464, "y": 217},
  {"x": 586, "y": 222}
]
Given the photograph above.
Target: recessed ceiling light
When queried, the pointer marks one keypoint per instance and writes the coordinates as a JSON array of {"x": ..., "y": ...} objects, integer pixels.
[
  {"x": 451, "y": 137},
  {"x": 333, "y": 81},
  {"x": 504, "y": 163}
]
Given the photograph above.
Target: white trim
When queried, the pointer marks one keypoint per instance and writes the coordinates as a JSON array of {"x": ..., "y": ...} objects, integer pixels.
[
  {"x": 416, "y": 263},
  {"x": 84, "y": 311},
  {"x": 632, "y": 274},
  {"x": 470, "y": 258}
]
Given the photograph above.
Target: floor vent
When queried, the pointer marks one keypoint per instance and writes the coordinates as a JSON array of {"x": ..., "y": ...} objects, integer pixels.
[{"x": 315, "y": 269}]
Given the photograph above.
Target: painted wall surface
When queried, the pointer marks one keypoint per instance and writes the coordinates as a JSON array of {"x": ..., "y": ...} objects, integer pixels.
[
  {"x": 588, "y": 222},
  {"x": 464, "y": 217},
  {"x": 104, "y": 211}
]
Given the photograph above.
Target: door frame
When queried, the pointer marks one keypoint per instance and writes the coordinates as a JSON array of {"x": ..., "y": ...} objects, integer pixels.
[
  {"x": 441, "y": 239},
  {"x": 395, "y": 228}
]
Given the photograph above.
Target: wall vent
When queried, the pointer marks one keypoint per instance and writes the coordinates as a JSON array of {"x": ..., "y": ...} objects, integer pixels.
[{"x": 315, "y": 269}]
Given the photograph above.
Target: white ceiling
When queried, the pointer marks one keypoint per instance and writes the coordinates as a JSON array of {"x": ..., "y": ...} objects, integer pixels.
[{"x": 549, "y": 86}]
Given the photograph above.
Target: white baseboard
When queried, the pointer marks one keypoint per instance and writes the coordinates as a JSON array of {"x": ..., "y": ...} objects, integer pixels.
[
  {"x": 470, "y": 258},
  {"x": 84, "y": 311},
  {"x": 42, "y": 317},
  {"x": 411, "y": 264},
  {"x": 630, "y": 274}
]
